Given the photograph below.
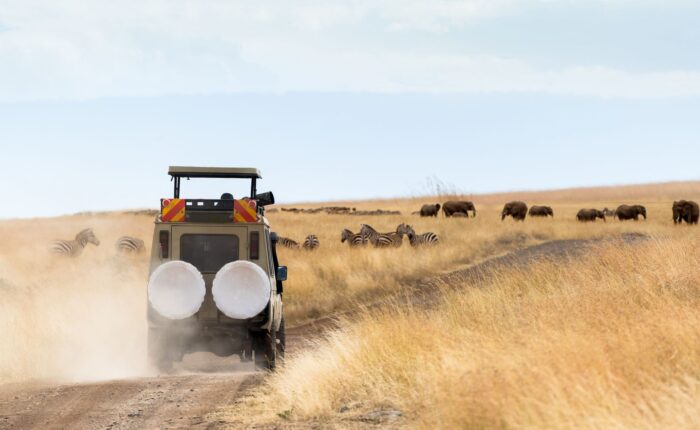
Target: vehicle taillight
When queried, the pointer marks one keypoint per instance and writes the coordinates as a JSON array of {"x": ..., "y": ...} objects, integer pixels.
[
  {"x": 254, "y": 245},
  {"x": 164, "y": 244}
]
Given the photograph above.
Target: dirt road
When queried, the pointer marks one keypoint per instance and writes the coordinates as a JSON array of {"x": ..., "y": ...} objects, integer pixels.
[
  {"x": 188, "y": 400},
  {"x": 172, "y": 402}
]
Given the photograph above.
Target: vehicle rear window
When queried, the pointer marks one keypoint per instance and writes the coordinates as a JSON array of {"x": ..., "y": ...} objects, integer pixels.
[{"x": 208, "y": 252}]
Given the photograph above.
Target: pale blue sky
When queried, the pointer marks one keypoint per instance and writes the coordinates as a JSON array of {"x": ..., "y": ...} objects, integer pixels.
[{"x": 342, "y": 99}]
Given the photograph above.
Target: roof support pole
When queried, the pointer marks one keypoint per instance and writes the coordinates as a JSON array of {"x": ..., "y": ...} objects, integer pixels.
[{"x": 177, "y": 187}]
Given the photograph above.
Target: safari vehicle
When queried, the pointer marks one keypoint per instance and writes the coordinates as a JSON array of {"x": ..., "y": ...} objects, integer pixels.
[{"x": 215, "y": 282}]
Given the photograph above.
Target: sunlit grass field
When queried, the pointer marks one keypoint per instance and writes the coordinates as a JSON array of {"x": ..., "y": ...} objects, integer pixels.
[
  {"x": 337, "y": 278},
  {"x": 605, "y": 341}
]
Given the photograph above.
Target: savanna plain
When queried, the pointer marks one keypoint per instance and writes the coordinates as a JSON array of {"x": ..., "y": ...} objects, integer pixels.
[{"x": 601, "y": 333}]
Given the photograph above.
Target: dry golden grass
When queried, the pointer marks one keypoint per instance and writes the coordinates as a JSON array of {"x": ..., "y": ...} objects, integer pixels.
[
  {"x": 605, "y": 342},
  {"x": 337, "y": 278},
  {"x": 608, "y": 341},
  {"x": 85, "y": 318}
]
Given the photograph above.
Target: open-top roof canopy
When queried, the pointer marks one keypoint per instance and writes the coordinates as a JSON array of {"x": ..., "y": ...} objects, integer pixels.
[
  {"x": 179, "y": 172},
  {"x": 214, "y": 172}
]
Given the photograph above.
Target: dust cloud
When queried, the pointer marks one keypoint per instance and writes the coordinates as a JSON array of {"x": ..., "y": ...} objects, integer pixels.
[{"x": 79, "y": 319}]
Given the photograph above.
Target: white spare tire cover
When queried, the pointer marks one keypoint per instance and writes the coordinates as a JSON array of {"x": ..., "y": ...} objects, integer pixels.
[
  {"x": 241, "y": 290},
  {"x": 176, "y": 290}
]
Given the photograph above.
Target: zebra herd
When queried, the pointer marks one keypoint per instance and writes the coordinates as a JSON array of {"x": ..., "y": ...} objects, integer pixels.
[
  {"x": 75, "y": 247},
  {"x": 368, "y": 235},
  {"x": 310, "y": 243}
]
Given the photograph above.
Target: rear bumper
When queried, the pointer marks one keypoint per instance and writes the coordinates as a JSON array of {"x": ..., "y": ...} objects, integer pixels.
[{"x": 188, "y": 336}]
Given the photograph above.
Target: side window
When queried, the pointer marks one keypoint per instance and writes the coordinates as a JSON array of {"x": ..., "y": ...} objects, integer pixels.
[{"x": 209, "y": 252}]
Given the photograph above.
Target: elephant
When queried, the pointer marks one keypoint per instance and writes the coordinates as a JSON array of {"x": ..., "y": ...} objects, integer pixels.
[
  {"x": 585, "y": 215},
  {"x": 518, "y": 210},
  {"x": 430, "y": 210},
  {"x": 542, "y": 211},
  {"x": 452, "y": 207},
  {"x": 626, "y": 212},
  {"x": 685, "y": 210}
]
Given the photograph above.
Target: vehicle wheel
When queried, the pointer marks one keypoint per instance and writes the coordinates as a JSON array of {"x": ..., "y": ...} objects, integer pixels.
[
  {"x": 247, "y": 353},
  {"x": 265, "y": 347},
  {"x": 281, "y": 341},
  {"x": 159, "y": 356}
]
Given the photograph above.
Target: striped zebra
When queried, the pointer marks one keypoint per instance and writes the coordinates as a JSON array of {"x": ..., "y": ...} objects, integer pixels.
[
  {"x": 381, "y": 240},
  {"x": 73, "y": 248},
  {"x": 130, "y": 245},
  {"x": 287, "y": 242},
  {"x": 609, "y": 213},
  {"x": 418, "y": 239},
  {"x": 311, "y": 242},
  {"x": 351, "y": 238}
]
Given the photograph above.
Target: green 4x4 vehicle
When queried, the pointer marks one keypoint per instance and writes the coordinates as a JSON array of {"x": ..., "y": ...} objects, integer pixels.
[{"x": 215, "y": 282}]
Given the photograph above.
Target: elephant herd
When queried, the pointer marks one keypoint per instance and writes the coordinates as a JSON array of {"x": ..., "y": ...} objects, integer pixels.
[
  {"x": 450, "y": 209},
  {"x": 465, "y": 209},
  {"x": 683, "y": 211}
]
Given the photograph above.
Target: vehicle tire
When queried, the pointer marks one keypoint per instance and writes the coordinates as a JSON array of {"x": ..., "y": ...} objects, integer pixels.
[
  {"x": 247, "y": 352},
  {"x": 265, "y": 347},
  {"x": 281, "y": 341},
  {"x": 159, "y": 355}
]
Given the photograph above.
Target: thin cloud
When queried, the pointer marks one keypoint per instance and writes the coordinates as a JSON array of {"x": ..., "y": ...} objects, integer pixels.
[{"x": 76, "y": 50}]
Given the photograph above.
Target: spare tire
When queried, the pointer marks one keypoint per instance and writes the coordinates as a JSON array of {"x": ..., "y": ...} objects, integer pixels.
[
  {"x": 176, "y": 290},
  {"x": 241, "y": 290}
]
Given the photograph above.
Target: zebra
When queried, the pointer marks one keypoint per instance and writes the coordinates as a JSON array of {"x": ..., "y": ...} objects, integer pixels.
[
  {"x": 129, "y": 245},
  {"x": 352, "y": 239},
  {"x": 287, "y": 242},
  {"x": 73, "y": 248},
  {"x": 311, "y": 242},
  {"x": 381, "y": 240},
  {"x": 418, "y": 239},
  {"x": 609, "y": 212}
]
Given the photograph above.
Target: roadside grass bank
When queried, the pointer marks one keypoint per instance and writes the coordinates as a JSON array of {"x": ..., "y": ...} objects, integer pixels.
[{"x": 608, "y": 340}]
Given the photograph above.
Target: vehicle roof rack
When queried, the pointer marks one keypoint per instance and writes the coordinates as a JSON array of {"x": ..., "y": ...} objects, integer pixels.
[
  {"x": 179, "y": 172},
  {"x": 214, "y": 172}
]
